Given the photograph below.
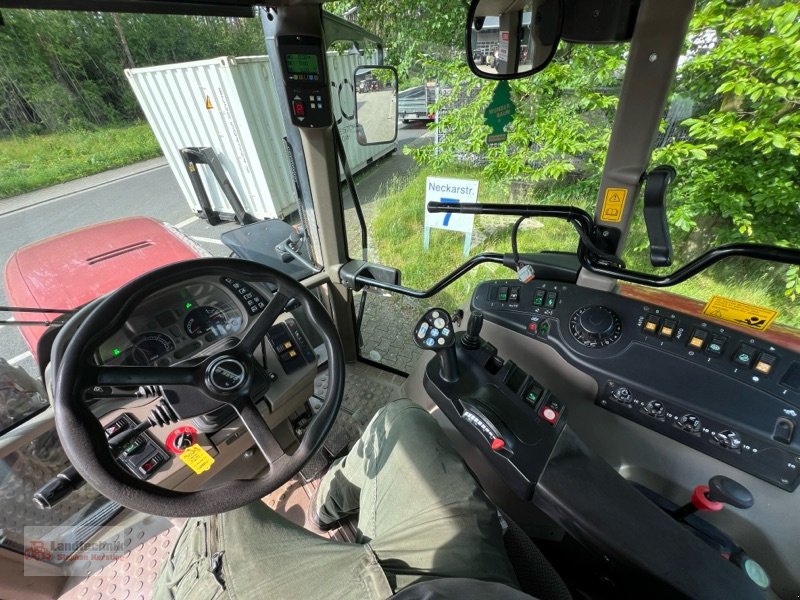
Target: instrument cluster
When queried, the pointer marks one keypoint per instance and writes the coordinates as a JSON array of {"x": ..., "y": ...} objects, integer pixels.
[{"x": 176, "y": 323}]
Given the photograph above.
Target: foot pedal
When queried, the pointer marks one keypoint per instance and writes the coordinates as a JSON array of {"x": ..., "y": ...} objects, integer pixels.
[
  {"x": 336, "y": 444},
  {"x": 315, "y": 465}
]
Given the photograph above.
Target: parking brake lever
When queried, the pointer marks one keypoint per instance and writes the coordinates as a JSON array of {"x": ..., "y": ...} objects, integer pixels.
[
  {"x": 434, "y": 331},
  {"x": 655, "y": 214}
]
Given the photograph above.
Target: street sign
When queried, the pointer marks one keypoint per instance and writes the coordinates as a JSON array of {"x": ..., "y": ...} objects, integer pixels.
[{"x": 445, "y": 189}]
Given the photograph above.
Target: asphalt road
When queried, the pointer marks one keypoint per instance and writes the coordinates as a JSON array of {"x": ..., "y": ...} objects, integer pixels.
[{"x": 146, "y": 189}]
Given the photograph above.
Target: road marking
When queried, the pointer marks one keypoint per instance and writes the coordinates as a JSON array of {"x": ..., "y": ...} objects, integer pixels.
[
  {"x": 19, "y": 358},
  {"x": 197, "y": 238},
  {"x": 186, "y": 222}
]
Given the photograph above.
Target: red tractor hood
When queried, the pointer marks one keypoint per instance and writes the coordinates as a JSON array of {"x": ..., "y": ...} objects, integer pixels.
[{"x": 70, "y": 269}]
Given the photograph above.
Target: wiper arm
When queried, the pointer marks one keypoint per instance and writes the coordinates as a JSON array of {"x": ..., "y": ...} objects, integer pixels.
[{"x": 28, "y": 309}]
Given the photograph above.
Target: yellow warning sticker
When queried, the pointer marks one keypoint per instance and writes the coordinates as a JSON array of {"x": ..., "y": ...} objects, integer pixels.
[
  {"x": 196, "y": 458},
  {"x": 613, "y": 204},
  {"x": 741, "y": 313},
  {"x": 209, "y": 104}
]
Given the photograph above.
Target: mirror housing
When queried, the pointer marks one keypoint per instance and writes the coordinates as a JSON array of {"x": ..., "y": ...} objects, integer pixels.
[
  {"x": 508, "y": 40},
  {"x": 375, "y": 104}
]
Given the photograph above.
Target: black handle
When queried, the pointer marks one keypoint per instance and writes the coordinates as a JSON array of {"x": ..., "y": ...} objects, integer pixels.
[
  {"x": 724, "y": 489},
  {"x": 58, "y": 488},
  {"x": 655, "y": 215},
  {"x": 471, "y": 340}
]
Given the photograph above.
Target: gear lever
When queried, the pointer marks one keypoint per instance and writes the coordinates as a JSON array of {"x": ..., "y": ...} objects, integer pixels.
[
  {"x": 471, "y": 340},
  {"x": 434, "y": 331}
]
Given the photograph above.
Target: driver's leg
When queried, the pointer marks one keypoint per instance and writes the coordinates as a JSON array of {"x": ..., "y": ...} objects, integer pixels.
[
  {"x": 253, "y": 553},
  {"x": 419, "y": 508}
]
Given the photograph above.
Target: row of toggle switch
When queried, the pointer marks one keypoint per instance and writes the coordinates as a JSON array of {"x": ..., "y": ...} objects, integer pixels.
[{"x": 712, "y": 343}]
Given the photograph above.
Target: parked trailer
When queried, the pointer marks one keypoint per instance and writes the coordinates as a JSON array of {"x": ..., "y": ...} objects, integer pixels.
[
  {"x": 416, "y": 104},
  {"x": 230, "y": 104}
]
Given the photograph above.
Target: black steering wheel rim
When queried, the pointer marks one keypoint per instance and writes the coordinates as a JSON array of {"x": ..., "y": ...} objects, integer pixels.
[{"x": 84, "y": 440}]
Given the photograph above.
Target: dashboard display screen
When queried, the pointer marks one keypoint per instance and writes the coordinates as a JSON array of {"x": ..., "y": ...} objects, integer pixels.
[
  {"x": 177, "y": 322},
  {"x": 302, "y": 64}
]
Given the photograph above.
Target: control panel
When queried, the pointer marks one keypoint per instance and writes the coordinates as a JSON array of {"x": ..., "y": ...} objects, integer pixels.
[
  {"x": 142, "y": 455},
  {"x": 509, "y": 416},
  {"x": 719, "y": 390},
  {"x": 254, "y": 302},
  {"x": 303, "y": 63},
  {"x": 291, "y": 346}
]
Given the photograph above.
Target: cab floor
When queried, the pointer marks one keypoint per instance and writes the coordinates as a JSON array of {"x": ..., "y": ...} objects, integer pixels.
[{"x": 131, "y": 577}]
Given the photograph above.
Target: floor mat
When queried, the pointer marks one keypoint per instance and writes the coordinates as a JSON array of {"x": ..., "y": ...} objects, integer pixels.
[{"x": 366, "y": 390}]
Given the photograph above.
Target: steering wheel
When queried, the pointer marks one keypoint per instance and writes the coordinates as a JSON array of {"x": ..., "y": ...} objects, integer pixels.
[{"x": 230, "y": 376}]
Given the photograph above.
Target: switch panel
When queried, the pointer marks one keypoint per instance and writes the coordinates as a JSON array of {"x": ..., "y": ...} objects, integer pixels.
[{"x": 700, "y": 375}]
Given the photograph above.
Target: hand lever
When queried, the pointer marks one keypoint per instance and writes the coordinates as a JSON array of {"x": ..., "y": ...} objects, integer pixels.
[
  {"x": 720, "y": 491},
  {"x": 471, "y": 340},
  {"x": 434, "y": 331},
  {"x": 58, "y": 488},
  {"x": 726, "y": 490},
  {"x": 655, "y": 215}
]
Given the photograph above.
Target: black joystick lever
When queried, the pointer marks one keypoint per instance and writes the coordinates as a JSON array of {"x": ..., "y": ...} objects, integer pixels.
[
  {"x": 434, "y": 331},
  {"x": 720, "y": 491},
  {"x": 471, "y": 340}
]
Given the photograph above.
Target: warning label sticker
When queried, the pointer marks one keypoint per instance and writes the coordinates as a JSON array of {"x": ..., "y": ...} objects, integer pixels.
[
  {"x": 741, "y": 313},
  {"x": 209, "y": 103},
  {"x": 196, "y": 458},
  {"x": 613, "y": 204}
]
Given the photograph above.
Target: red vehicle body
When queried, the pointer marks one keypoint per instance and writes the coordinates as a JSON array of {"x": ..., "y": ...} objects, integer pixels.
[{"x": 70, "y": 269}]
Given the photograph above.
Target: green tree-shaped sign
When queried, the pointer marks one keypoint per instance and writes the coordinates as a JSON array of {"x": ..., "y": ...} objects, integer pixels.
[{"x": 499, "y": 113}]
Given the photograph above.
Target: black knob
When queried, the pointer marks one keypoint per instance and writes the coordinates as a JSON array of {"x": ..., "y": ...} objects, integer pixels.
[
  {"x": 595, "y": 326},
  {"x": 471, "y": 339},
  {"x": 724, "y": 489},
  {"x": 58, "y": 488}
]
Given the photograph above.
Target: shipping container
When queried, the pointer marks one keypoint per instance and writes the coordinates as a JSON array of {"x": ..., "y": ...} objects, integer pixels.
[{"x": 230, "y": 104}]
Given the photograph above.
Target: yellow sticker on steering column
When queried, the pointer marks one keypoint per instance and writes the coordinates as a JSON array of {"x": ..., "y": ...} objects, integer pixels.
[
  {"x": 196, "y": 458},
  {"x": 741, "y": 313},
  {"x": 613, "y": 204}
]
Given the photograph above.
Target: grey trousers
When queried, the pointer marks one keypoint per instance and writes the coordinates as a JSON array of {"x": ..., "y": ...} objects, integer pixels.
[{"x": 421, "y": 515}]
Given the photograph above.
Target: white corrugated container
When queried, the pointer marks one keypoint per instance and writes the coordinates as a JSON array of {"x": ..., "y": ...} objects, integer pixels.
[{"x": 231, "y": 105}]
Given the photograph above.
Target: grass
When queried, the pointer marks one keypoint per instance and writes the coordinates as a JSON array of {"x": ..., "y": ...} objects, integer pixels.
[
  {"x": 397, "y": 231},
  {"x": 37, "y": 161}
]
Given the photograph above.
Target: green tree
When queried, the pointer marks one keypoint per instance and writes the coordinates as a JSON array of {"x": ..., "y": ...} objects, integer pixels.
[
  {"x": 738, "y": 165},
  {"x": 411, "y": 30}
]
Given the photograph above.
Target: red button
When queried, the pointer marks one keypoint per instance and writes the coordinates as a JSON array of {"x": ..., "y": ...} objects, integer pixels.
[
  {"x": 498, "y": 443},
  {"x": 299, "y": 108},
  {"x": 549, "y": 415},
  {"x": 532, "y": 327}
]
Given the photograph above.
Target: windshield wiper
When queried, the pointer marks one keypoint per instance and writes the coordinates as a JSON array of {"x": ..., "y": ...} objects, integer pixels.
[{"x": 28, "y": 309}]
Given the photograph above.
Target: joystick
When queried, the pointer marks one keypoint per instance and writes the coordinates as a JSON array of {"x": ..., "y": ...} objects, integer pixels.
[
  {"x": 471, "y": 340},
  {"x": 434, "y": 331}
]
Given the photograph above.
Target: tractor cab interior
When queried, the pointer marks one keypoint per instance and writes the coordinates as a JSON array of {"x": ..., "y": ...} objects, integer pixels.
[{"x": 636, "y": 441}]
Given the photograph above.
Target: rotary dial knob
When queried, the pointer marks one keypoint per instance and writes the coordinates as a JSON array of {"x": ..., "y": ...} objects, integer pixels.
[{"x": 595, "y": 326}]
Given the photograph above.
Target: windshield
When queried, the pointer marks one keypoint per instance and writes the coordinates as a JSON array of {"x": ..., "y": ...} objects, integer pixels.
[{"x": 729, "y": 129}]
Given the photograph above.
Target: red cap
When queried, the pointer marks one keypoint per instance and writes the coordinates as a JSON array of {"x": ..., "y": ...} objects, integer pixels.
[
  {"x": 498, "y": 443},
  {"x": 701, "y": 501}
]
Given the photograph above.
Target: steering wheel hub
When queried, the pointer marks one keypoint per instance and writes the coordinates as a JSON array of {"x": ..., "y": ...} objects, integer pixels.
[{"x": 225, "y": 374}]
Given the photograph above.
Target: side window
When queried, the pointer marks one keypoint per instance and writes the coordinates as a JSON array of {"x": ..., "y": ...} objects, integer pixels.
[{"x": 21, "y": 396}]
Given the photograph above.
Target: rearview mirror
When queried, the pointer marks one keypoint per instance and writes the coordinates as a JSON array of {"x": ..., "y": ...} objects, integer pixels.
[
  {"x": 511, "y": 39},
  {"x": 376, "y": 104}
]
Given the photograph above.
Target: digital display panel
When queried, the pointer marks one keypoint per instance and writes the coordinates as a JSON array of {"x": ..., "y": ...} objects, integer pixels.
[{"x": 302, "y": 63}]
